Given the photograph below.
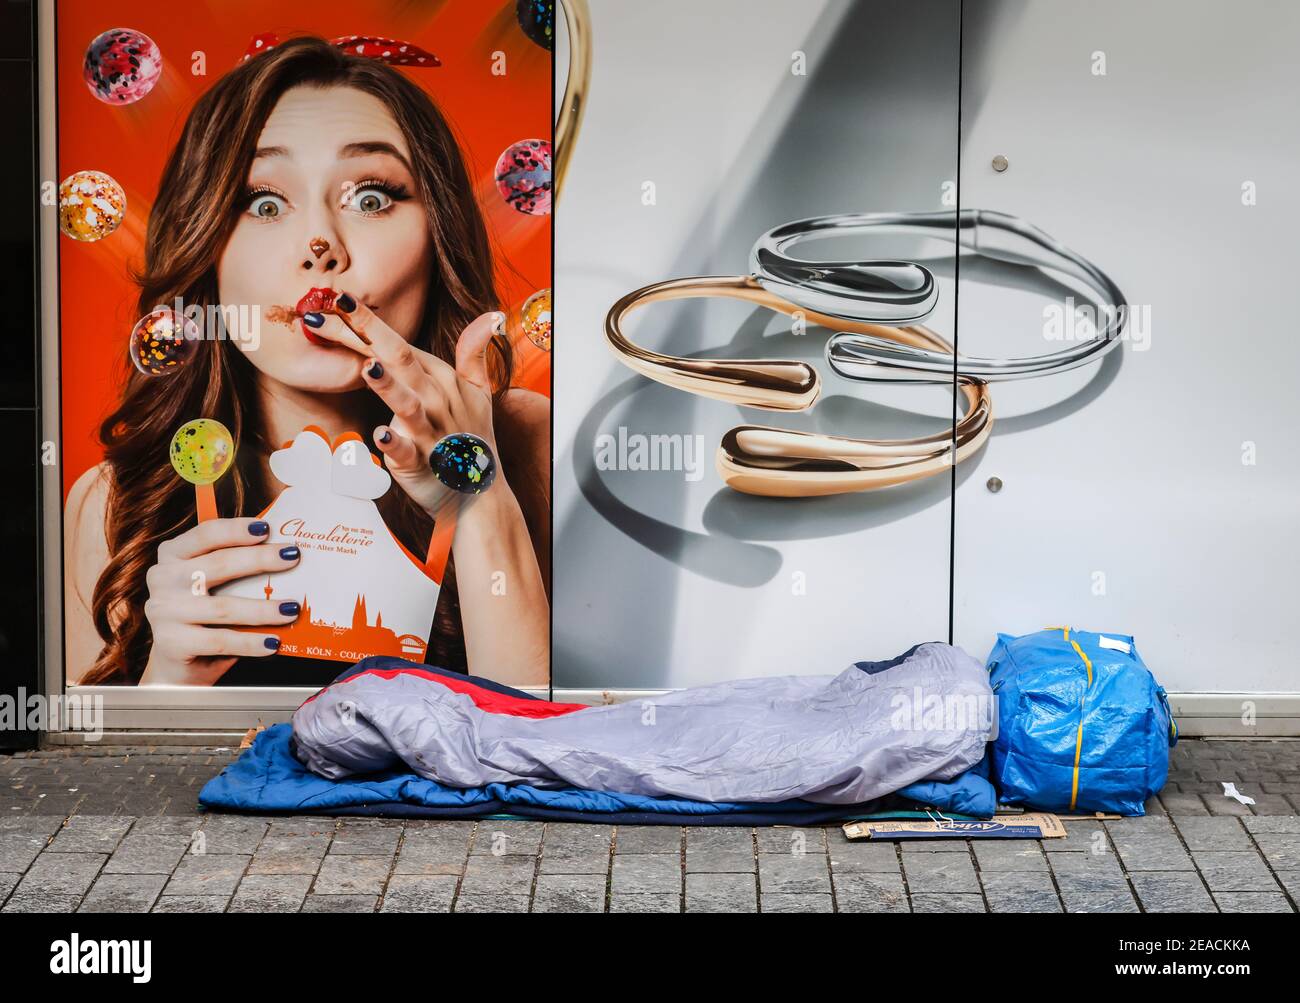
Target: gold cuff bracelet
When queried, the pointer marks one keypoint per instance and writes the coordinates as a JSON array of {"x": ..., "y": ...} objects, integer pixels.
[{"x": 781, "y": 462}]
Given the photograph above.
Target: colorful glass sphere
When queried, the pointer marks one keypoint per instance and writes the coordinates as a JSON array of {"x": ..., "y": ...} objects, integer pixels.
[
  {"x": 202, "y": 450},
  {"x": 464, "y": 463},
  {"x": 163, "y": 341},
  {"x": 91, "y": 205},
  {"x": 523, "y": 176},
  {"x": 535, "y": 319},
  {"x": 537, "y": 19},
  {"x": 122, "y": 65}
]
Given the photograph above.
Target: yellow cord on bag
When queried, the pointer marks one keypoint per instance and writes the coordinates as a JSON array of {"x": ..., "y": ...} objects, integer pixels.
[{"x": 1078, "y": 740}]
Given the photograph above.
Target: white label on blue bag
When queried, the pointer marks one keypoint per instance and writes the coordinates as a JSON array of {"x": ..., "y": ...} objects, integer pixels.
[{"x": 1113, "y": 643}]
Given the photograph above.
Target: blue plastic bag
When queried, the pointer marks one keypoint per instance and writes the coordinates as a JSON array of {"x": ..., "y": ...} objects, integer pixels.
[{"x": 1083, "y": 726}]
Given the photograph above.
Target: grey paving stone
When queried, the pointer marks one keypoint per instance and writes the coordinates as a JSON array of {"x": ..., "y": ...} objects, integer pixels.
[
  {"x": 167, "y": 825},
  {"x": 8, "y": 882},
  {"x": 271, "y": 893},
  {"x": 1212, "y": 832},
  {"x": 1234, "y": 871},
  {"x": 785, "y": 873},
  {"x": 231, "y": 835},
  {"x": 1020, "y": 890},
  {"x": 593, "y": 864},
  {"x": 501, "y": 838},
  {"x": 718, "y": 859},
  {"x": 207, "y": 874},
  {"x": 1280, "y": 849},
  {"x": 639, "y": 873},
  {"x": 419, "y": 893},
  {"x": 1091, "y": 882},
  {"x": 569, "y": 893},
  {"x": 1271, "y": 805},
  {"x": 1146, "y": 852},
  {"x": 1290, "y": 880},
  {"x": 124, "y": 893},
  {"x": 1085, "y": 835},
  {"x": 191, "y": 903},
  {"x": 40, "y": 902},
  {"x": 302, "y": 826},
  {"x": 491, "y": 902},
  {"x": 797, "y": 903},
  {"x": 1272, "y": 823},
  {"x": 573, "y": 848},
  {"x": 780, "y": 839},
  {"x": 944, "y": 902},
  {"x": 90, "y": 834},
  {"x": 367, "y": 838},
  {"x": 43, "y": 826},
  {"x": 861, "y": 891},
  {"x": 1178, "y": 805},
  {"x": 147, "y": 854},
  {"x": 19, "y": 849},
  {"x": 727, "y": 893},
  {"x": 61, "y": 874},
  {"x": 1138, "y": 826},
  {"x": 1171, "y": 891},
  {"x": 719, "y": 837},
  {"x": 910, "y": 846},
  {"x": 939, "y": 872},
  {"x": 352, "y": 874},
  {"x": 863, "y": 857},
  {"x": 289, "y": 854},
  {"x": 340, "y": 903},
  {"x": 657, "y": 839},
  {"x": 1009, "y": 855},
  {"x": 1252, "y": 902},
  {"x": 648, "y": 902},
  {"x": 440, "y": 848},
  {"x": 499, "y": 876},
  {"x": 1220, "y": 805}
]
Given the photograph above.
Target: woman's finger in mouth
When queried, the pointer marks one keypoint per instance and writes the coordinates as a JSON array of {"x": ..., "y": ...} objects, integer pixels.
[
  {"x": 319, "y": 322},
  {"x": 326, "y": 328}
]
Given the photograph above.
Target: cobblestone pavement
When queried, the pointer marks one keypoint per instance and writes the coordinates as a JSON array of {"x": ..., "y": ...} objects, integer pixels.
[{"x": 117, "y": 829}]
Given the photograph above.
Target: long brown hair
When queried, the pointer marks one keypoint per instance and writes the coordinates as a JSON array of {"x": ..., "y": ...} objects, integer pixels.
[{"x": 199, "y": 201}]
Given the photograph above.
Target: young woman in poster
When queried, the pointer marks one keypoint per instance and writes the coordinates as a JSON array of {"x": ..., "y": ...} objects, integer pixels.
[{"x": 304, "y": 168}]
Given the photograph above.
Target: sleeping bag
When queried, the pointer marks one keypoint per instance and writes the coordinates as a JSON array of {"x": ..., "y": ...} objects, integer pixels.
[
  {"x": 872, "y": 729},
  {"x": 1082, "y": 723}
]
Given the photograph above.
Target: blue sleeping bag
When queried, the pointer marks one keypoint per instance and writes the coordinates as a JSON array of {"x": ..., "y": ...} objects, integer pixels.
[
  {"x": 270, "y": 777},
  {"x": 1082, "y": 723}
]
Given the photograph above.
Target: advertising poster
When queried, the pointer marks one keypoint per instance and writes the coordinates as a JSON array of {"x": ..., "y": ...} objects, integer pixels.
[
  {"x": 302, "y": 245},
  {"x": 686, "y": 564}
]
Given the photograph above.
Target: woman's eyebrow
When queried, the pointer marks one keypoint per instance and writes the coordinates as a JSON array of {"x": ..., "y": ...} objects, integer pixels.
[
  {"x": 375, "y": 146},
  {"x": 363, "y": 149}
]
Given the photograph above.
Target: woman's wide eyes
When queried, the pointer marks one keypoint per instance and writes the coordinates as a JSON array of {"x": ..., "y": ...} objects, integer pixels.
[
  {"x": 267, "y": 206},
  {"x": 368, "y": 200}
]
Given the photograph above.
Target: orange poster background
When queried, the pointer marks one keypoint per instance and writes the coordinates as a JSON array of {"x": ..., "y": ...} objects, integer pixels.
[{"x": 131, "y": 143}]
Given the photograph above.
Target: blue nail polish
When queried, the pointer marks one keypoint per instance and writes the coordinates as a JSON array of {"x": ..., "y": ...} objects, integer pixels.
[
  {"x": 290, "y": 608},
  {"x": 259, "y": 528},
  {"x": 385, "y": 437},
  {"x": 345, "y": 303},
  {"x": 375, "y": 371},
  {"x": 313, "y": 319},
  {"x": 289, "y": 553},
  {"x": 272, "y": 642}
]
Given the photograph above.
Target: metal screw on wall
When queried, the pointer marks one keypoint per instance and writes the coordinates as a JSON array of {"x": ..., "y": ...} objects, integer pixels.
[
  {"x": 1000, "y": 163},
  {"x": 994, "y": 484}
]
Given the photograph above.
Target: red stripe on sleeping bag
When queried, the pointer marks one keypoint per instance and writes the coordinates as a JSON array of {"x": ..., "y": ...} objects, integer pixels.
[{"x": 488, "y": 700}]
